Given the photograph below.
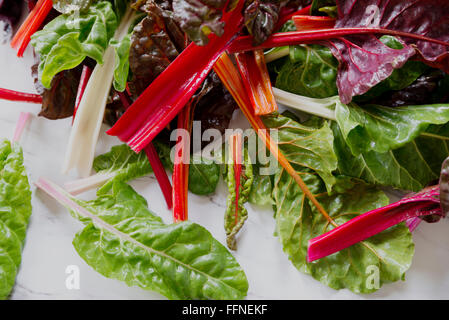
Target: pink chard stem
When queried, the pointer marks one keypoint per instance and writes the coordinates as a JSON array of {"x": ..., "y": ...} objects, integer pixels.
[
  {"x": 425, "y": 203},
  {"x": 23, "y": 119}
]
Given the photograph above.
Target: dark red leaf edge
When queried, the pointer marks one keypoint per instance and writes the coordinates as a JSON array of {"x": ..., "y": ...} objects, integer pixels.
[{"x": 365, "y": 61}]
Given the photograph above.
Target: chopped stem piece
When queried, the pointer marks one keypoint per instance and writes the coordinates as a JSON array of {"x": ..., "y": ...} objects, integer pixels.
[
  {"x": 256, "y": 79},
  {"x": 23, "y": 119},
  {"x": 230, "y": 77},
  {"x": 11, "y": 95},
  {"x": 181, "y": 168},
  {"x": 304, "y": 23},
  {"x": 31, "y": 25}
]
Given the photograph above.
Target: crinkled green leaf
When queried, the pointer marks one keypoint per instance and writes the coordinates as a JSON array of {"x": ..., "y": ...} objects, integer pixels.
[
  {"x": 123, "y": 164},
  {"x": 389, "y": 253},
  {"x": 381, "y": 129},
  {"x": 306, "y": 146},
  {"x": 203, "y": 176},
  {"x": 235, "y": 217},
  {"x": 311, "y": 71},
  {"x": 123, "y": 240},
  {"x": 410, "y": 167},
  {"x": 67, "y": 40},
  {"x": 261, "y": 190},
  {"x": 121, "y": 68},
  {"x": 15, "y": 211}
]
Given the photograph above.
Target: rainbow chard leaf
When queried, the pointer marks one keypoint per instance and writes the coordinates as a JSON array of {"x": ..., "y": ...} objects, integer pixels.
[
  {"x": 66, "y": 41},
  {"x": 305, "y": 146},
  {"x": 261, "y": 18},
  {"x": 388, "y": 254},
  {"x": 410, "y": 167},
  {"x": 365, "y": 61},
  {"x": 380, "y": 129},
  {"x": 123, "y": 240},
  {"x": 15, "y": 211}
]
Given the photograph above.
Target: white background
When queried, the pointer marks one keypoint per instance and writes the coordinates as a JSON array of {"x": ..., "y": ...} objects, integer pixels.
[{"x": 48, "y": 250}]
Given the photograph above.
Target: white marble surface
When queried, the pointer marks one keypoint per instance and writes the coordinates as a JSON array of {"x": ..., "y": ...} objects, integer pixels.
[{"x": 48, "y": 250}]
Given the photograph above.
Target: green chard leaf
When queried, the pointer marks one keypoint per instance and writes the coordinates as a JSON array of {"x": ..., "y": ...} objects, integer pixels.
[
  {"x": 306, "y": 146},
  {"x": 261, "y": 190},
  {"x": 410, "y": 167},
  {"x": 381, "y": 129},
  {"x": 123, "y": 240},
  {"x": 15, "y": 211},
  {"x": 123, "y": 164},
  {"x": 203, "y": 176},
  {"x": 236, "y": 217},
  {"x": 121, "y": 69},
  {"x": 389, "y": 253},
  {"x": 311, "y": 71},
  {"x": 122, "y": 51},
  {"x": 67, "y": 40}
]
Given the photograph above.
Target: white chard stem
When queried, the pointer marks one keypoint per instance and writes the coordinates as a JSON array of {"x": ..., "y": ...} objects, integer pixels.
[
  {"x": 86, "y": 184},
  {"x": 89, "y": 117},
  {"x": 323, "y": 108}
]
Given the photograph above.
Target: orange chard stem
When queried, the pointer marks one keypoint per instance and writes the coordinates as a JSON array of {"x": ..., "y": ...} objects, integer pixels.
[
  {"x": 257, "y": 82},
  {"x": 31, "y": 25},
  {"x": 230, "y": 77},
  {"x": 181, "y": 167},
  {"x": 305, "y": 23}
]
